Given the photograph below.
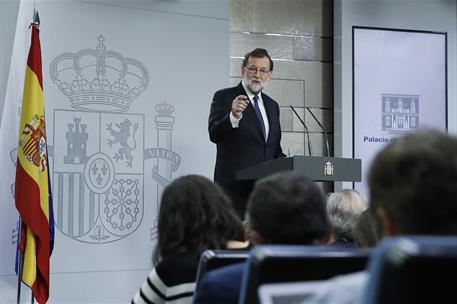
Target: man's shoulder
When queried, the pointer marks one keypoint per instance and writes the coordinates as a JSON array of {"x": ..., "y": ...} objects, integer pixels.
[
  {"x": 221, "y": 285},
  {"x": 236, "y": 90},
  {"x": 227, "y": 273},
  {"x": 267, "y": 98}
]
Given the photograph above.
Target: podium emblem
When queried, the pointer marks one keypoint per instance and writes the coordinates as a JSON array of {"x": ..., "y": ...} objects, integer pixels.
[{"x": 328, "y": 168}]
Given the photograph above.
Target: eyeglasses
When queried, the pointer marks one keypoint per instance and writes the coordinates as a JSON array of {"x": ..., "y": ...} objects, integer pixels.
[{"x": 253, "y": 70}]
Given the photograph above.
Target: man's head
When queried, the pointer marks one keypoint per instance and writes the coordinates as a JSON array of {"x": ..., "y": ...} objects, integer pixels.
[
  {"x": 344, "y": 208},
  {"x": 413, "y": 184},
  {"x": 287, "y": 208},
  {"x": 256, "y": 69}
]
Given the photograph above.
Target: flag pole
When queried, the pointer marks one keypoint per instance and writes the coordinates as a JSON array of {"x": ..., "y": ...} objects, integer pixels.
[
  {"x": 20, "y": 265},
  {"x": 36, "y": 22},
  {"x": 19, "y": 278}
]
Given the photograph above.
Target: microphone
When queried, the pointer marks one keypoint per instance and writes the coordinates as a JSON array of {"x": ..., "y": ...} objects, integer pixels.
[
  {"x": 322, "y": 127},
  {"x": 306, "y": 130}
]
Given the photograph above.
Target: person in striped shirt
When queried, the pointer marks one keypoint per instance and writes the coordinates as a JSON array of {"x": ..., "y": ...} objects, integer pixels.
[{"x": 194, "y": 215}]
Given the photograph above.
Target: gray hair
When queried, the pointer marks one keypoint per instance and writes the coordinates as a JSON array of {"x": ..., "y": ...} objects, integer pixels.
[{"x": 344, "y": 208}]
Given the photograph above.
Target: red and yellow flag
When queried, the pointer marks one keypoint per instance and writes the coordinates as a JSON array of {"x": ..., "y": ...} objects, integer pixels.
[{"x": 32, "y": 192}]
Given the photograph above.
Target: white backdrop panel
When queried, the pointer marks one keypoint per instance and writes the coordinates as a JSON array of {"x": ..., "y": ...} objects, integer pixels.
[
  {"x": 399, "y": 86},
  {"x": 127, "y": 96}
]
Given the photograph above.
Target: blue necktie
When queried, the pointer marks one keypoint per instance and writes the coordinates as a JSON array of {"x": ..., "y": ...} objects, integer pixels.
[{"x": 259, "y": 114}]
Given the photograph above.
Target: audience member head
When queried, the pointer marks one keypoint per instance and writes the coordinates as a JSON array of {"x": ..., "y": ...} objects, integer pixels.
[
  {"x": 287, "y": 208},
  {"x": 195, "y": 215},
  {"x": 344, "y": 208},
  {"x": 368, "y": 230},
  {"x": 413, "y": 184}
]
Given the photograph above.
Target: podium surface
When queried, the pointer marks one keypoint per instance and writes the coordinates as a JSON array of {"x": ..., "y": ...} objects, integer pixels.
[{"x": 315, "y": 167}]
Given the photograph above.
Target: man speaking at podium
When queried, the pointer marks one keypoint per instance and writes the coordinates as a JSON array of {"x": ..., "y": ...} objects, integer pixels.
[{"x": 244, "y": 124}]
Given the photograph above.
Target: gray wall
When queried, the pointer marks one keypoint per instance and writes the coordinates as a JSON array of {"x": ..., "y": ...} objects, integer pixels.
[
  {"x": 298, "y": 35},
  {"x": 311, "y": 42},
  {"x": 8, "y": 16}
]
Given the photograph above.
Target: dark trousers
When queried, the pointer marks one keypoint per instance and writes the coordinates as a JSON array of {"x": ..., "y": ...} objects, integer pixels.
[{"x": 238, "y": 192}]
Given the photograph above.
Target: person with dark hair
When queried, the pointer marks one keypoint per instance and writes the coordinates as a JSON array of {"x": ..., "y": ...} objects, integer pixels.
[
  {"x": 368, "y": 230},
  {"x": 194, "y": 215},
  {"x": 344, "y": 208},
  {"x": 412, "y": 184},
  {"x": 285, "y": 208},
  {"x": 244, "y": 124}
]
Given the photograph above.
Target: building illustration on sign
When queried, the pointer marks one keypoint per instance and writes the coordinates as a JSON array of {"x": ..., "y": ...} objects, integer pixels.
[{"x": 400, "y": 112}]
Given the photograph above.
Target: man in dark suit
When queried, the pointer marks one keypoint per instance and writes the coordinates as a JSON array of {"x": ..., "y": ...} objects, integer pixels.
[
  {"x": 285, "y": 208},
  {"x": 244, "y": 124}
]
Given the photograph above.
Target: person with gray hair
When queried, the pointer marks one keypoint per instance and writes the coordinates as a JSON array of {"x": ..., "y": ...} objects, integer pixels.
[{"x": 344, "y": 208}]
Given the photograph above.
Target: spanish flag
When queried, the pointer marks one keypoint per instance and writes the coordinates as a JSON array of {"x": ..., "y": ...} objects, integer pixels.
[{"x": 32, "y": 190}]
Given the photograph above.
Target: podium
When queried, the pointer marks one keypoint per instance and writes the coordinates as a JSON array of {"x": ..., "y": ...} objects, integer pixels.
[{"x": 317, "y": 168}]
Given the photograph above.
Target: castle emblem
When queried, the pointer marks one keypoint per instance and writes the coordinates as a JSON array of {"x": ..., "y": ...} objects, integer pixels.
[
  {"x": 99, "y": 152},
  {"x": 400, "y": 112},
  {"x": 76, "y": 137}
]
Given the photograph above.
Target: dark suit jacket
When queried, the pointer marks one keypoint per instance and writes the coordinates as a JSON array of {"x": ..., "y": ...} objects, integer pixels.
[
  {"x": 242, "y": 147},
  {"x": 221, "y": 286}
]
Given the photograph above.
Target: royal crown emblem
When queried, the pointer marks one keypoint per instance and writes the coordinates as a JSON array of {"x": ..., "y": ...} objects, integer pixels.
[
  {"x": 99, "y": 80},
  {"x": 165, "y": 109}
]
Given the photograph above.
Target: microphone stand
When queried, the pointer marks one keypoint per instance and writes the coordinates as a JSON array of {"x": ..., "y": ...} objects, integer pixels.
[
  {"x": 306, "y": 129},
  {"x": 322, "y": 127}
]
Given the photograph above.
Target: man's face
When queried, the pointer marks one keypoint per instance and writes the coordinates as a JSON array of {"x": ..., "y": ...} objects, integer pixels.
[{"x": 256, "y": 73}]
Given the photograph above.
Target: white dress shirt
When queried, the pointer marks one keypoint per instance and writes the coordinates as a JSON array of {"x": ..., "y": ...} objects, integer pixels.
[{"x": 236, "y": 121}]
